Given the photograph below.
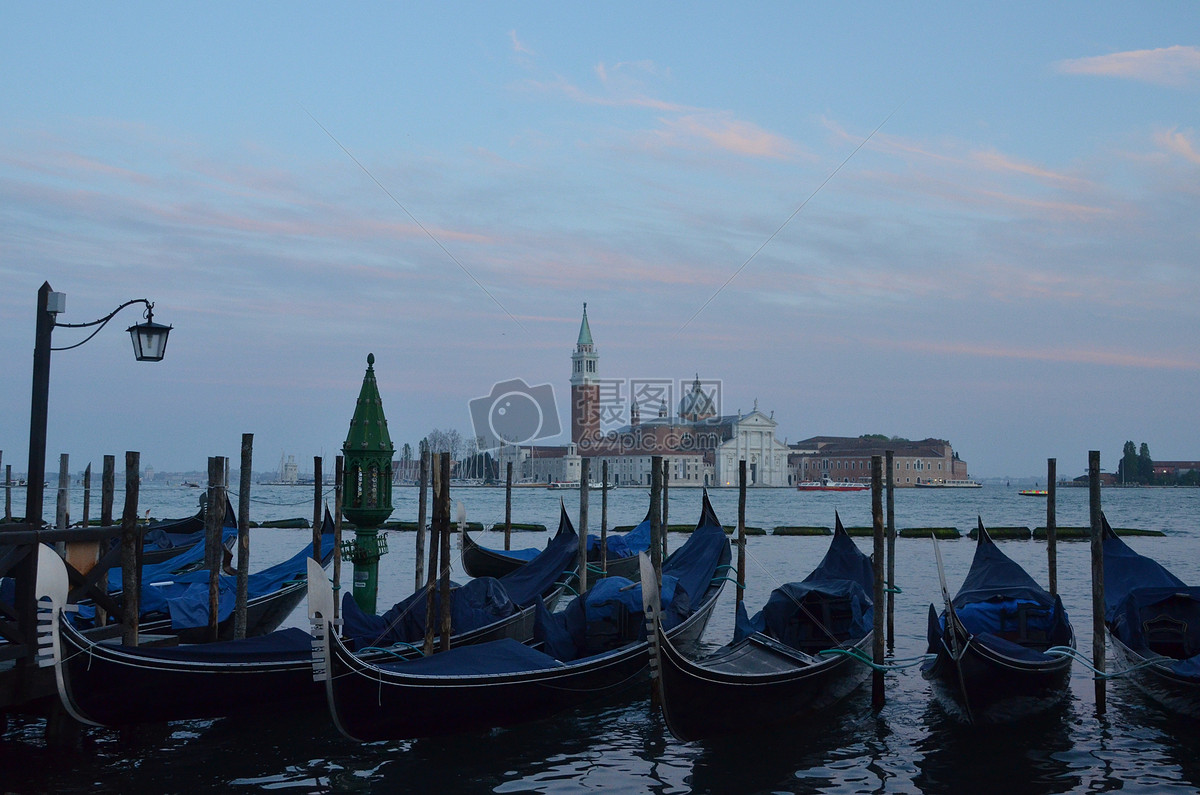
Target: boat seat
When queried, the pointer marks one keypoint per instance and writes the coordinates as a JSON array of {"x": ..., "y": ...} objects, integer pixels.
[{"x": 1167, "y": 635}]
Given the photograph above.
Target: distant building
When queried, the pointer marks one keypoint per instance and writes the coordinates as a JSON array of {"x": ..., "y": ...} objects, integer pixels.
[
  {"x": 842, "y": 458},
  {"x": 1175, "y": 469},
  {"x": 289, "y": 470},
  {"x": 698, "y": 447}
]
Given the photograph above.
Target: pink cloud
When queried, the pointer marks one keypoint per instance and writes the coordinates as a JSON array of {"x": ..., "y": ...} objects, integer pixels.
[
  {"x": 721, "y": 131},
  {"x": 1178, "y": 143},
  {"x": 1171, "y": 66},
  {"x": 1113, "y": 358},
  {"x": 518, "y": 45}
]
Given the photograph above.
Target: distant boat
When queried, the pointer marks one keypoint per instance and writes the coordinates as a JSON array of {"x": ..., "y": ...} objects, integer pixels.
[
  {"x": 939, "y": 483},
  {"x": 825, "y": 484},
  {"x": 1034, "y": 493},
  {"x": 593, "y": 485}
]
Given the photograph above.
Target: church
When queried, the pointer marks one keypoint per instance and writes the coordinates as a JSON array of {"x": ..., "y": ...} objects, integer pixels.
[{"x": 699, "y": 445}]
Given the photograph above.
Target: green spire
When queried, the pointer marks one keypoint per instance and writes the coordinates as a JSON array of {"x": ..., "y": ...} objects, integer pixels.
[
  {"x": 585, "y": 332},
  {"x": 368, "y": 429}
]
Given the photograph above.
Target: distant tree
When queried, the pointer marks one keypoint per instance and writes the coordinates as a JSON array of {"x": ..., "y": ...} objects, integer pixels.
[
  {"x": 1145, "y": 464},
  {"x": 406, "y": 452},
  {"x": 1127, "y": 469},
  {"x": 876, "y": 437}
]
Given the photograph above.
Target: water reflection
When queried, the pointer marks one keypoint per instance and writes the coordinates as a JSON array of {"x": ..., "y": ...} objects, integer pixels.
[{"x": 1028, "y": 756}]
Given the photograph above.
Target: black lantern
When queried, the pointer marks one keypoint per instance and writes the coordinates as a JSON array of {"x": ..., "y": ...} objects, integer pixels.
[{"x": 149, "y": 339}]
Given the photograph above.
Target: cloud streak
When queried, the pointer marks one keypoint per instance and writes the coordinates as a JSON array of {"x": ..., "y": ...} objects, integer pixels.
[{"x": 1169, "y": 66}]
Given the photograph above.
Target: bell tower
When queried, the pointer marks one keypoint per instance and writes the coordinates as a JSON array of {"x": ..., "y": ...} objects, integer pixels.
[{"x": 585, "y": 386}]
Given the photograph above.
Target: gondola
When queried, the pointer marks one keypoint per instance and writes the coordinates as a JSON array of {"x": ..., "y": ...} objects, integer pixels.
[
  {"x": 164, "y": 540},
  {"x": 177, "y": 604},
  {"x": 112, "y": 685},
  {"x": 1153, "y": 621},
  {"x": 480, "y": 561},
  {"x": 779, "y": 669},
  {"x": 989, "y": 650},
  {"x": 595, "y": 648}
]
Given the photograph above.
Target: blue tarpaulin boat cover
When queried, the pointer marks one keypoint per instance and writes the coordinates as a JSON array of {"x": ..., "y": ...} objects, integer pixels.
[
  {"x": 504, "y": 656},
  {"x": 1001, "y": 603},
  {"x": 609, "y": 616},
  {"x": 482, "y": 601},
  {"x": 185, "y": 598},
  {"x": 844, "y": 576},
  {"x": 1137, "y": 588},
  {"x": 621, "y": 546}
]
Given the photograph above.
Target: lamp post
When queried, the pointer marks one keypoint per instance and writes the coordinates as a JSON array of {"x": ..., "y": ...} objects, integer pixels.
[{"x": 149, "y": 345}]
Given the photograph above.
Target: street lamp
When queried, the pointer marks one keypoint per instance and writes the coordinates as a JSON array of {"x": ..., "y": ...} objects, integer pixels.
[{"x": 149, "y": 345}]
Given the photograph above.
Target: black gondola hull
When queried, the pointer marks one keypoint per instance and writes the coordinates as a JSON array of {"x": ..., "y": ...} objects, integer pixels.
[
  {"x": 699, "y": 702},
  {"x": 986, "y": 686},
  {"x": 1179, "y": 694},
  {"x": 370, "y": 703},
  {"x": 110, "y": 685}
]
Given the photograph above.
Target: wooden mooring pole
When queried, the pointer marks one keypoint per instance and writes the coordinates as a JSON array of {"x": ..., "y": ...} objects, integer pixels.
[
  {"x": 666, "y": 492},
  {"x": 604, "y": 518},
  {"x": 8, "y": 492},
  {"x": 131, "y": 571},
  {"x": 888, "y": 460},
  {"x": 442, "y": 511},
  {"x": 86, "y": 519},
  {"x": 435, "y": 471},
  {"x": 422, "y": 515},
  {"x": 877, "y": 696},
  {"x": 1097, "y": 575},
  {"x": 585, "y": 472},
  {"x": 339, "y": 495},
  {"x": 243, "y": 543},
  {"x": 318, "y": 514},
  {"x": 508, "y": 505},
  {"x": 108, "y": 488},
  {"x": 741, "y": 534},
  {"x": 657, "y": 531},
  {"x": 62, "y": 514},
  {"x": 215, "y": 520},
  {"x": 1051, "y": 524}
]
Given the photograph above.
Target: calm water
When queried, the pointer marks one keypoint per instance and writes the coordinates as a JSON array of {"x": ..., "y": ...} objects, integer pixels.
[{"x": 910, "y": 746}]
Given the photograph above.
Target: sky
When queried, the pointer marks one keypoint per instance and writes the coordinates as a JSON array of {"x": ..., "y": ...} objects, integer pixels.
[{"x": 975, "y": 222}]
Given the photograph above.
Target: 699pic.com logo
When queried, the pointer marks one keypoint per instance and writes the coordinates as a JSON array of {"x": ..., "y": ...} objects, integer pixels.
[{"x": 514, "y": 413}]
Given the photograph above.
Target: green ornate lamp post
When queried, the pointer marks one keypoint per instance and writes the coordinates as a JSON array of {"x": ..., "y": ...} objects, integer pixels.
[{"x": 367, "y": 486}]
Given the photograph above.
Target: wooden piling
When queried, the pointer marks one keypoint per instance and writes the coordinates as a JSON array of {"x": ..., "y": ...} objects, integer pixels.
[
  {"x": 657, "y": 531},
  {"x": 318, "y": 515},
  {"x": 877, "y": 695},
  {"x": 1097, "y": 575},
  {"x": 442, "y": 509},
  {"x": 1051, "y": 524},
  {"x": 435, "y": 471},
  {"x": 888, "y": 461},
  {"x": 108, "y": 487},
  {"x": 604, "y": 519},
  {"x": 422, "y": 515},
  {"x": 214, "y": 520},
  {"x": 87, "y": 495},
  {"x": 131, "y": 574},
  {"x": 666, "y": 486},
  {"x": 741, "y": 532},
  {"x": 8, "y": 492},
  {"x": 243, "y": 544},
  {"x": 508, "y": 505},
  {"x": 339, "y": 496},
  {"x": 585, "y": 472},
  {"x": 62, "y": 513}
]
